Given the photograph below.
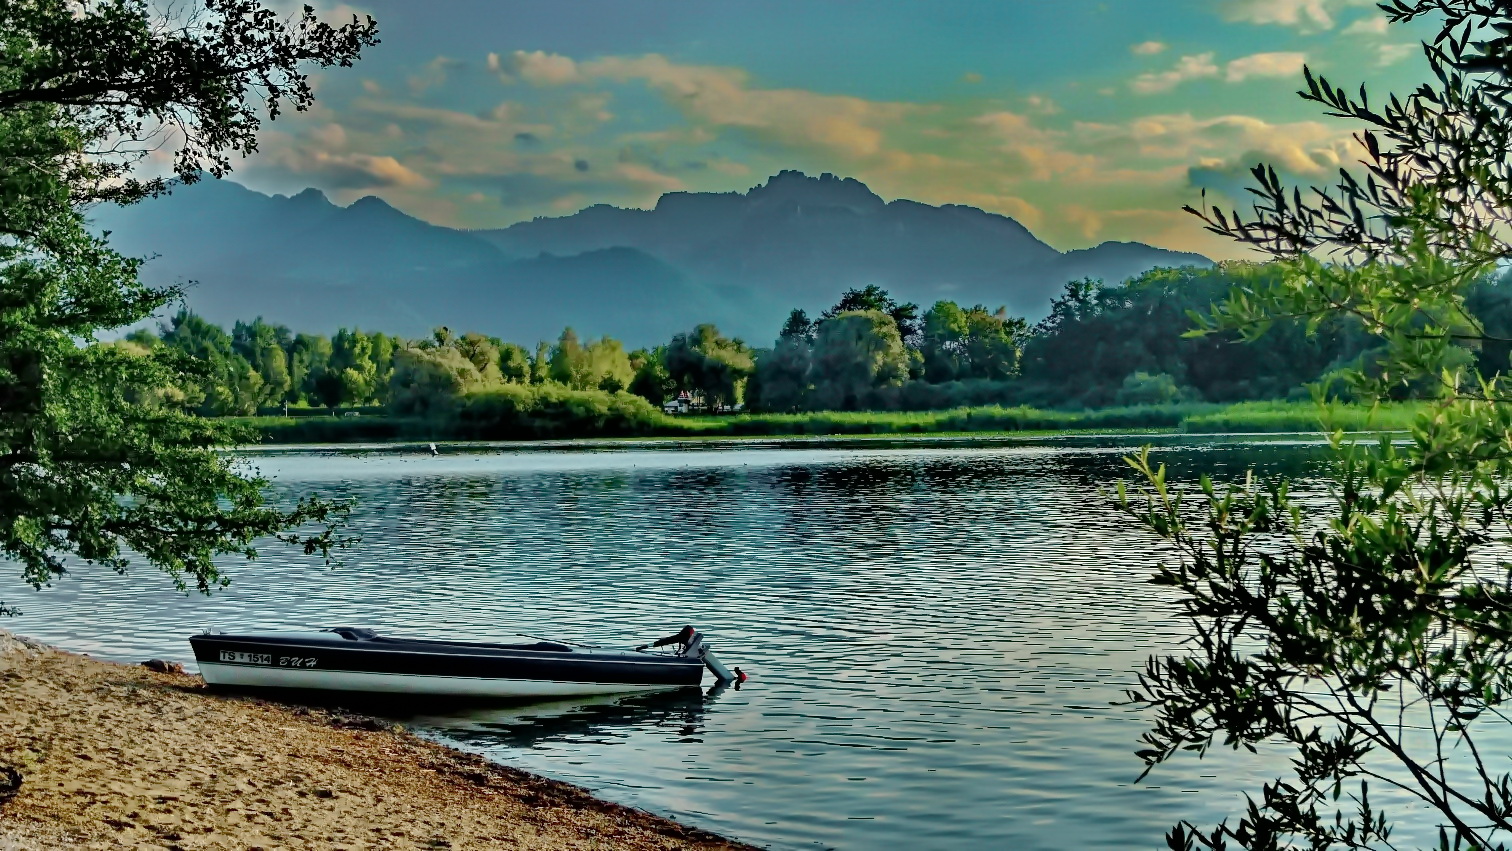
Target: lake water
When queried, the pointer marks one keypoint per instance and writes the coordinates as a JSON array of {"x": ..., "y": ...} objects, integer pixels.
[{"x": 936, "y": 630}]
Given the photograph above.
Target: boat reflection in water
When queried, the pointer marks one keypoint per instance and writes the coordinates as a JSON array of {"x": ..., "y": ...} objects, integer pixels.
[{"x": 681, "y": 713}]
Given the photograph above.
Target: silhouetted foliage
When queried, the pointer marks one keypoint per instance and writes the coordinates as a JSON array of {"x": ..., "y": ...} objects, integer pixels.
[
  {"x": 1365, "y": 632},
  {"x": 98, "y": 457}
]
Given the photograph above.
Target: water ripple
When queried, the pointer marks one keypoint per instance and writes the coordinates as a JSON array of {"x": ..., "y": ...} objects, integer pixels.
[{"x": 936, "y": 633}]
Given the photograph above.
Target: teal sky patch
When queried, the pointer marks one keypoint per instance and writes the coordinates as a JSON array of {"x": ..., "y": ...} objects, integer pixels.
[{"x": 1086, "y": 121}]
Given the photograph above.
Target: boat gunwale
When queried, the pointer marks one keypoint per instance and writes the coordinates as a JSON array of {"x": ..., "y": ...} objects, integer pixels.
[{"x": 615, "y": 657}]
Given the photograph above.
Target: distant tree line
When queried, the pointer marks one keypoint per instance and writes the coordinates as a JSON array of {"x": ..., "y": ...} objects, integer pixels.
[{"x": 1099, "y": 346}]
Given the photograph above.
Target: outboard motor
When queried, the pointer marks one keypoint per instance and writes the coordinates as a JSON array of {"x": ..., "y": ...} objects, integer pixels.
[{"x": 697, "y": 648}]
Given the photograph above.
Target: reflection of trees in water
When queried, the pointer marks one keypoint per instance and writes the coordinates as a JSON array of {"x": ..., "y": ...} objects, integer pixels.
[
  {"x": 681, "y": 713},
  {"x": 440, "y": 495},
  {"x": 881, "y": 495},
  {"x": 869, "y": 505},
  {"x": 704, "y": 480},
  {"x": 704, "y": 501},
  {"x": 585, "y": 486}
]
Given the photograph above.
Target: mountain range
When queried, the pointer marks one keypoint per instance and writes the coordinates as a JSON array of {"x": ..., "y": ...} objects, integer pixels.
[{"x": 740, "y": 260}]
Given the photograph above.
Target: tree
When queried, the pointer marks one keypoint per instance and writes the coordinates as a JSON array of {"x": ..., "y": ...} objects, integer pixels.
[
  {"x": 264, "y": 347},
  {"x": 480, "y": 350},
  {"x": 1096, "y": 336},
  {"x": 514, "y": 364},
  {"x": 429, "y": 381},
  {"x": 217, "y": 377},
  {"x": 944, "y": 343},
  {"x": 1366, "y": 631},
  {"x": 652, "y": 382},
  {"x": 608, "y": 367},
  {"x": 798, "y": 325},
  {"x": 352, "y": 363},
  {"x": 873, "y": 297},
  {"x": 1142, "y": 388},
  {"x": 569, "y": 361},
  {"x": 709, "y": 364},
  {"x": 854, "y": 354},
  {"x": 994, "y": 341},
  {"x": 309, "y": 358},
  {"x": 781, "y": 382},
  {"x": 87, "y": 91},
  {"x": 383, "y": 364},
  {"x": 540, "y": 363}
]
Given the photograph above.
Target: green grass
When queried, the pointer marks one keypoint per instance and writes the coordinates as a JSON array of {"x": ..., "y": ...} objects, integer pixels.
[
  {"x": 1279, "y": 417},
  {"x": 993, "y": 418},
  {"x": 1194, "y": 418}
]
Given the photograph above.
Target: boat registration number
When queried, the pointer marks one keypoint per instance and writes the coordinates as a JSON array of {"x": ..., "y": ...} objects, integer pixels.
[{"x": 267, "y": 659}]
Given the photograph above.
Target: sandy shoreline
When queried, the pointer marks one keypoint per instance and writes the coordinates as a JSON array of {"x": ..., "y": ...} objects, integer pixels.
[{"x": 116, "y": 756}]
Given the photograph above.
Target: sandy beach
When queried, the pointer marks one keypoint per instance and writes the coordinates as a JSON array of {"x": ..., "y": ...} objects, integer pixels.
[{"x": 117, "y": 756}]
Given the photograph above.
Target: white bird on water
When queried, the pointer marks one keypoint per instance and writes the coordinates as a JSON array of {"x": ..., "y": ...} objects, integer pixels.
[{"x": 434, "y": 450}]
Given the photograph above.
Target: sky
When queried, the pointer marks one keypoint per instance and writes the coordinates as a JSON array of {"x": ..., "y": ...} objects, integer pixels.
[{"x": 1086, "y": 121}]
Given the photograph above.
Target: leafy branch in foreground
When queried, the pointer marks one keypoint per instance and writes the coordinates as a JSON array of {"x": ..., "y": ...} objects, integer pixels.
[
  {"x": 1364, "y": 632},
  {"x": 93, "y": 463}
]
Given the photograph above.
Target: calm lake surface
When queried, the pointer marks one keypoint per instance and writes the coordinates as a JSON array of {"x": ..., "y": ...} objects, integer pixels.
[{"x": 935, "y": 630}]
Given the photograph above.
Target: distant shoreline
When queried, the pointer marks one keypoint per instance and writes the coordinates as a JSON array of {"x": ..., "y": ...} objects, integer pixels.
[
  {"x": 980, "y": 422},
  {"x": 116, "y": 756}
]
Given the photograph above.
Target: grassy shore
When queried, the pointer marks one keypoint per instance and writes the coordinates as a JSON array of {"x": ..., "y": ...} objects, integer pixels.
[
  {"x": 1241, "y": 418},
  {"x": 114, "y": 756},
  {"x": 1288, "y": 417}
]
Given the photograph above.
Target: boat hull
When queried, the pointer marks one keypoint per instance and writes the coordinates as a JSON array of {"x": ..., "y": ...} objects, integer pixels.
[
  {"x": 368, "y": 682},
  {"x": 316, "y": 662}
]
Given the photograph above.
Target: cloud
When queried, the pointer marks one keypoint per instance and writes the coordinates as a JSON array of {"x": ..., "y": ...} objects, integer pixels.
[
  {"x": 1282, "y": 64},
  {"x": 1305, "y": 15},
  {"x": 595, "y": 106},
  {"x": 1188, "y": 68},
  {"x": 1373, "y": 25},
  {"x": 971, "y": 77},
  {"x": 730, "y": 167},
  {"x": 449, "y": 144},
  {"x": 1011, "y": 206},
  {"x": 1035, "y": 153},
  {"x": 935, "y": 179},
  {"x": 723, "y": 97},
  {"x": 649, "y": 178},
  {"x": 331, "y": 135},
  {"x": 339, "y": 14},
  {"x": 565, "y": 185},
  {"x": 1393, "y": 53},
  {"x": 1217, "y": 153},
  {"x": 434, "y": 74},
  {"x": 1042, "y": 105},
  {"x": 348, "y": 170},
  {"x": 1147, "y": 48},
  {"x": 1087, "y": 221},
  {"x": 525, "y": 189},
  {"x": 796, "y": 118},
  {"x": 503, "y": 120},
  {"x": 537, "y": 67},
  {"x": 1167, "y": 227}
]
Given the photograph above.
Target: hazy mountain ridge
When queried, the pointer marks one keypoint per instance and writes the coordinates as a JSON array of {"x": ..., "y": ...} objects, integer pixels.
[{"x": 741, "y": 260}]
